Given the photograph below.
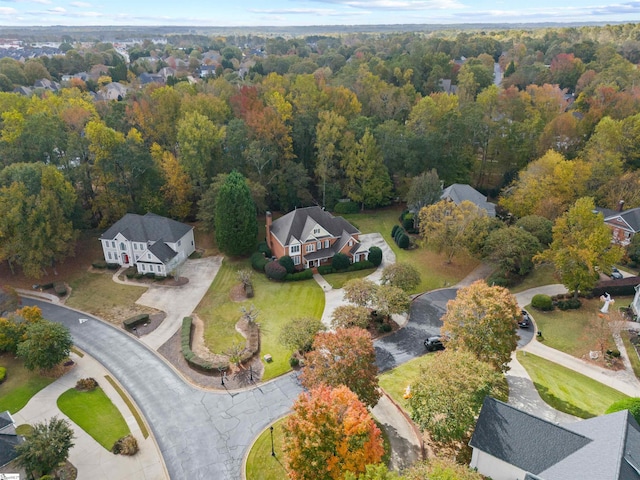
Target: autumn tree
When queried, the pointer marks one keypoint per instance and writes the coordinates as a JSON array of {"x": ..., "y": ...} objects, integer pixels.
[
  {"x": 329, "y": 434},
  {"x": 46, "y": 447},
  {"x": 47, "y": 344},
  {"x": 440, "y": 468},
  {"x": 425, "y": 189},
  {"x": 177, "y": 189},
  {"x": 347, "y": 316},
  {"x": 375, "y": 472},
  {"x": 298, "y": 333},
  {"x": 448, "y": 394},
  {"x": 444, "y": 225},
  {"x": 385, "y": 299},
  {"x": 484, "y": 321},
  {"x": 539, "y": 227},
  {"x": 401, "y": 275},
  {"x": 512, "y": 250},
  {"x": 581, "y": 247},
  {"x": 344, "y": 357},
  {"x": 236, "y": 222},
  {"x": 13, "y": 327}
]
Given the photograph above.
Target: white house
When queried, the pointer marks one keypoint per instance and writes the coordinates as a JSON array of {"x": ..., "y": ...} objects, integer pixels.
[{"x": 152, "y": 243}]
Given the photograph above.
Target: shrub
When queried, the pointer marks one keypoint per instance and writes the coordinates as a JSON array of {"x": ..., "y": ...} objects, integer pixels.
[
  {"x": 294, "y": 362},
  {"x": 46, "y": 286},
  {"x": 130, "y": 272},
  {"x": 138, "y": 276},
  {"x": 399, "y": 232},
  {"x": 346, "y": 207},
  {"x": 340, "y": 261},
  {"x": 160, "y": 278},
  {"x": 136, "y": 320},
  {"x": 287, "y": 262},
  {"x": 258, "y": 261},
  {"x": 403, "y": 241},
  {"x": 125, "y": 446},
  {"x": 60, "y": 288},
  {"x": 264, "y": 249},
  {"x": 615, "y": 353},
  {"x": 3, "y": 374},
  {"x": 362, "y": 265},
  {"x": 542, "y": 302},
  {"x": 303, "y": 275},
  {"x": 150, "y": 275},
  {"x": 100, "y": 264},
  {"x": 86, "y": 384},
  {"x": 498, "y": 279},
  {"x": 569, "y": 304},
  {"x": 113, "y": 266},
  {"x": 275, "y": 271},
  {"x": 394, "y": 230},
  {"x": 407, "y": 222},
  {"x": 375, "y": 256},
  {"x": 384, "y": 328},
  {"x": 326, "y": 269}
]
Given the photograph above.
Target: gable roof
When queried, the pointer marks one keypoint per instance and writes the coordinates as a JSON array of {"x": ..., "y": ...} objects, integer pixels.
[
  {"x": 147, "y": 228},
  {"x": 162, "y": 251},
  {"x": 606, "y": 447},
  {"x": 631, "y": 217},
  {"x": 299, "y": 224},
  {"x": 522, "y": 440},
  {"x": 8, "y": 439},
  {"x": 459, "y": 192}
]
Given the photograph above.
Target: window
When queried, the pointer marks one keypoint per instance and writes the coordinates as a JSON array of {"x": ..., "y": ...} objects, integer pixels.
[
  {"x": 326, "y": 244},
  {"x": 319, "y": 245},
  {"x": 296, "y": 260},
  {"x": 122, "y": 246},
  {"x": 143, "y": 267},
  {"x": 351, "y": 243},
  {"x": 316, "y": 231},
  {"x": 311, "y": 247},
  {"x": 109, "y": 253},
  {"x": 113, "y": 244},
  {"x": 179, "y": 242},
  {"x": 294, "y": 248},
  {"x": 135, "y": 246},
  {"x": 149, "y": 256}
]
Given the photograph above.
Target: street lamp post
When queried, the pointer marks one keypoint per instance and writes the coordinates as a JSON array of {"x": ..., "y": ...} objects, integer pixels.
[{"x": 273, "y": 453}]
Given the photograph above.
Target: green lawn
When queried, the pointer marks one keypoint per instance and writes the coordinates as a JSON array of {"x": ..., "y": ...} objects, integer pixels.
[
  {"x": 337, "y": 280},
  {"x": 567, "y": 390},
  {"x": 98, "y": 294},
  {"x": 260, "y": 464},
  {"x": 395, "y": 381},
  {"x": 276, "y": 302},
  {"x": 631, "y": 352},
  {"x": 434, "y": 270},
  {"x": 541, "y": 275},
  {"x": 567, "y": 330},
  {"x": 95, "y": 413},
  {"x": 20, "y": 384}
]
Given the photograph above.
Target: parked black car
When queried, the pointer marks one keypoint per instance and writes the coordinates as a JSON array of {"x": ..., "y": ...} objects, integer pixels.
[
  {"x": 433, "y": 343},
  {"x": 525, "y": 321}
]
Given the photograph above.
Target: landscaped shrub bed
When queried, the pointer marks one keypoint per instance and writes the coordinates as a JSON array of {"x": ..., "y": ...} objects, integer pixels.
[
  {"x": 354, "y": 267},
  {"x": 340, "y": 262},
  {"x": 99, "y": 264},
  {"x": 127, "y": 445},
  {"x": 86, "y": 384},
  {"x": 400, "y": 237},
  {"x": 113, "y": 266},
  {"x": 264, "y": 249},
  {"x": 303, "y": 275},
  {"x": 136, "y": 320},
  {"x": 192, "y": 359},
  {"x": 275, "y": 271},
  {"x": 258, "y": 261},
  {"x": 60, "y": 288},
  {"x": 542, "y": 302}
]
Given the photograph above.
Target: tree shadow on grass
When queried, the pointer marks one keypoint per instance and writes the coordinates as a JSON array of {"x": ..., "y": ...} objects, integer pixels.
[{"x": 560, "y": 404}]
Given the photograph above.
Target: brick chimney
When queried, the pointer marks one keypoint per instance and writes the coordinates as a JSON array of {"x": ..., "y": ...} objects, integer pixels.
[
  {"x": 268, "y": 229},
  {"x": 620, "y": 205}
]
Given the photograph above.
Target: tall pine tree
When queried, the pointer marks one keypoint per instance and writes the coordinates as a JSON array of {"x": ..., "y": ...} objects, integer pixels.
[{"x": 235, "y": 221}]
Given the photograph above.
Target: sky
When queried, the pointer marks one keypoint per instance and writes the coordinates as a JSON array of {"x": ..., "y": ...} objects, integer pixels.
[{"x": 311, "y": 12}]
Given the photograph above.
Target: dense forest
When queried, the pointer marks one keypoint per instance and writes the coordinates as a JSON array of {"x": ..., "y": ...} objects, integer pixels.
[{"x": 534, "y": 118}]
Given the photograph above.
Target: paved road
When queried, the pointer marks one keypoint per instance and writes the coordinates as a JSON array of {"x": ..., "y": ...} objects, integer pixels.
[{"x": 201, "y": 434}]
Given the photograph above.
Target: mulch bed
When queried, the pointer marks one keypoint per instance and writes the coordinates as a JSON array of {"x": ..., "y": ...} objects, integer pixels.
[{"x": 154, "y": 322}]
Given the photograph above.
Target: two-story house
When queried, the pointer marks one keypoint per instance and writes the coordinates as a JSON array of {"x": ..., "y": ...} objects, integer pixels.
[
  {"x": 311, "y": 236},
  {"x": 154, "y": 244}
]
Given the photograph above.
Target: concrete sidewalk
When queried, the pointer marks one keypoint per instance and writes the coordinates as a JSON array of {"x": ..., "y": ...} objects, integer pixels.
[{"x": 92, "y": 460}]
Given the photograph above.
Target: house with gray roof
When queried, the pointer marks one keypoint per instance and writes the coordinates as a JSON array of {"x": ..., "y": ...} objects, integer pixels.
[
  {"x": 311, "y": 236},
  {"x": 509, "y": 444},
  {"x": 624, "y": 224},
  {"x": 459, "y": 192},
  {"x": 9, "y": 439},
  {"x": 151, "y": 243}
]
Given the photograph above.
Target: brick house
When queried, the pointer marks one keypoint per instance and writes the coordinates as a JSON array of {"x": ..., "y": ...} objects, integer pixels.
[
  {"x": 311, "y": 236},
  {"x": 624, "y": 224}
]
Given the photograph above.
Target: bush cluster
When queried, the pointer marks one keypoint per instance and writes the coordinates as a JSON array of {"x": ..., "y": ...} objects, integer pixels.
[
  {"x": 113, "y": 266},
  {"x": 60, "y": 288},
  {"x": 46, "y": 286},
  {"x": 294, "y": 362},
  {"x": 264, "y": 249},
  {"x": 303, "y": 275},
  {"x": 499, "y": 279},
  {"x": 258, "y": 261},
  {"x": 130, "y": 272},
  {"x": 570, "y": 304},
  {"x": 150, "y": 275},
  {"x": 375, "y": 256},
  {"x": 3, "y": 374},
  {"x": 100, "y": 264},
  {"x": 542, "y": 302},
  {"x": 287, "y": 262},
  {"x": 275, "y": 271},
  {"x": 340, "y": 262},
  {"x": 125, "y": 446},
  {"x": 136, "y": 320},
  {"x": 354, "y": 267},
  {"x": 191, "y": 358},
  {"x": 615, "y": 353},
  {"x": 346, "y": 207},
  {"x": 86, "y": 384}
]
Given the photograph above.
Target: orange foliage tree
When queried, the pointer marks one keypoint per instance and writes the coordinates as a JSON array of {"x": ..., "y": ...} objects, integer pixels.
[{"x": 330, "y": 433}]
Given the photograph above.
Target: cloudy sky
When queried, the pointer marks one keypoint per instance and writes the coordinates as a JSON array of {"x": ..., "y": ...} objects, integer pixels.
[{"x": 310, "y": 12}]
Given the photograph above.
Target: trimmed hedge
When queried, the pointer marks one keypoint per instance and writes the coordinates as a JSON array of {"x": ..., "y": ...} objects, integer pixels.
[
  {"x": 150, "y": 275},
  {"x": 326, "y": 269},
  {"x": 60, "y": 288},
  {"x": 113, "y": 266},
  {"x": 100, "y": 264},
  {"x": 346, "y": 207},
  {"x": 623, "y": 286},
  {"x": 570, "y": 304},
  {"x": 340, "y": 261},
  {"x": 287, "y": 262},
  {"x": 303, "y": 275},
  {"x": 375, "y": 256},
  {"x": 542, "y": 302},
  {"x": 3, "y": 374},
  {"x": 191, "y": 358},
  {"x": 275, "y": 271},
  {"x": 136, "y": 320},
  {"x": 394, "y": 230},
  {"x": 258, "y": 261},
  {"x": 403, "y": 241}
]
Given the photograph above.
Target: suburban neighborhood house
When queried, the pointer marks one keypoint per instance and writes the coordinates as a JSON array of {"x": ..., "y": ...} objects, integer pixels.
[
  {"x": 459, "y": 192},
  {"x": 311, "y": 236},
  {"x": 623, "y": 223},
  {"x": 509, "y": 444},
  {"x": 152, "y": 243},
  {"x": 8, "y": 439}
]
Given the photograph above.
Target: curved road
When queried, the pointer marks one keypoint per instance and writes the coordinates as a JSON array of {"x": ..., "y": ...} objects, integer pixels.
[{"x": 201, "y": 434}]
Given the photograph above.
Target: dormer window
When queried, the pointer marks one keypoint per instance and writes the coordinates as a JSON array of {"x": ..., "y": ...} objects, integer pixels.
[
  {"x": 294, "y": 249},
  {"x": 316, "y": 231}
]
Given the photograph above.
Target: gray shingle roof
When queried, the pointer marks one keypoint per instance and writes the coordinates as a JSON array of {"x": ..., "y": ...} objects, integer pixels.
[
  {"x": 162, "y": 251},
  {"x": 145, "y": 228},
  {"x": 631, "y": 217},
  {"x": 522, "y": 440},
  {"x": 8, "y": 439},
  {"x": 299, "y": 224},
  {"x": 459, "y": 192}
]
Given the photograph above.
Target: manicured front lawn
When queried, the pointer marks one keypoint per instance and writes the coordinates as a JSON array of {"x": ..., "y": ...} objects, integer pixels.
[
  {"x": 20, "y": 384},
  {"x": 435, "y": 272},
  {"x": 98, "y": 294},
  {"x": 261, "y": 465},
  {"x": 567, "y": 390},
  {"x": 95, "y": 413},
  {"x": 568, "y": 330},
  {"x": 337, "y": 280},
  {"x": 541, "y": 275},
  {"x": 277, "y": 303},
  {"x": 395, "y": 381}
]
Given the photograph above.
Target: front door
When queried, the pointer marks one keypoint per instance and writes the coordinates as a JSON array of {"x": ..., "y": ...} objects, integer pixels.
[{"x": 125, "y": 259}]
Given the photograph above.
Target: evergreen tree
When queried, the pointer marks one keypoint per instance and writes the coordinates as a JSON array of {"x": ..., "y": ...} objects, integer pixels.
[{"x": 235, "y": 221}]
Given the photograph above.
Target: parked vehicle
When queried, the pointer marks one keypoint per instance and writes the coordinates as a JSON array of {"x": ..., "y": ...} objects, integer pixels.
[
  {"x": 433, "y": 343},
  {"x": 615, "y": 273},
  {"x": 525, "y": 321}
]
